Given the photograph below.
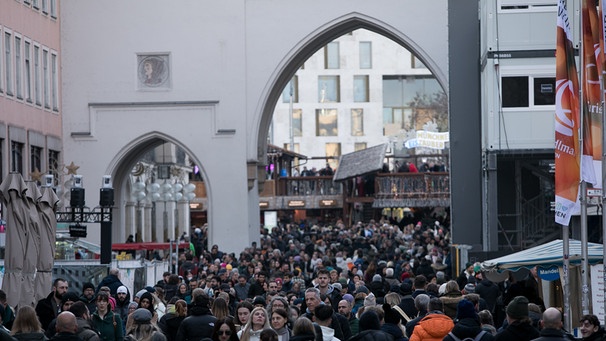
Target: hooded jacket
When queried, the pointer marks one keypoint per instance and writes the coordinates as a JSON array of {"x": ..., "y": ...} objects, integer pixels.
[
  {"x": 328, "y": 334},
  {"x": 450, "y": 301},
  {"x": 198, "y": 325},
  {"x": 434, "y": 326}
]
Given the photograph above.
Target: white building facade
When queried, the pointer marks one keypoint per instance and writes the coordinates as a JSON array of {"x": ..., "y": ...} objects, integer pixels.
[{"x": 339, "y": 103}]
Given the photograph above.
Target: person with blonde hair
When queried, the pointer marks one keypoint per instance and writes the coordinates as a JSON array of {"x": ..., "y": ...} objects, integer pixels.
[
  {"x": 27, "y": 326},
  {"x": 257, "y": 321}
]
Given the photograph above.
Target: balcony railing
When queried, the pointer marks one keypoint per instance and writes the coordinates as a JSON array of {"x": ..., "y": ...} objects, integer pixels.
[{"x": 412, "y": 189}]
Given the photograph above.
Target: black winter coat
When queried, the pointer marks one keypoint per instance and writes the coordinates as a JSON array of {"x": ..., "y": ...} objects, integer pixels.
[
  {"x": 489, "y": 292},
  {"x": 198, "y": 325},
  {"x": 468, "y": 327},
  {"x": 550, "y": 334},
  {"x": 518, "y": 331},
  {"x": 371, "y": 335}
]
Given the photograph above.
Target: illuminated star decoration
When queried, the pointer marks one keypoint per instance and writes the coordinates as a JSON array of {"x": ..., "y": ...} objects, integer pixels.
[
  {"x": 72, "y": 169},
  {"x": 35, "y": 175}
]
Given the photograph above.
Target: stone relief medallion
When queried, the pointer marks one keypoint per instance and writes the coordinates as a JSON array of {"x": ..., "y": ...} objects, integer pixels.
[{"x": 153, "y": 71}]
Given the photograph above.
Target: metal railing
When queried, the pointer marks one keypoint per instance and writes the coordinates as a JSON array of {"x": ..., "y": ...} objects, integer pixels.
[
  {"x": 308, "y": 186},
  {"x": 411, "y": 185}
]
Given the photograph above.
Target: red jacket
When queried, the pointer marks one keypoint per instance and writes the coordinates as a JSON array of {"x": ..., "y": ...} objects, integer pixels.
[{"x": 432, "y": 327}]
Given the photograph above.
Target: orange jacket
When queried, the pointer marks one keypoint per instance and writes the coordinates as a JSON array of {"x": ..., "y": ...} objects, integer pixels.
[{"x": 432, "y": 327}]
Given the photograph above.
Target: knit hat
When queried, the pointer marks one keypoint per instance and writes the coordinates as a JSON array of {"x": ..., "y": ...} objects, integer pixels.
[
  {"x": 349, "y": 298},
  {"x": 148, "y": 296},
  {"x": 391, "y": 315},
  {"x": 150, "y": 289},
  {"x": 405, "y": 289},
  {"x": 69, "y": 296},
  {"x": 259, "y": 300},
  {"x": 363, "y": 289},
  {"x": 470, "y": 288},
  {"x": 142, "y": 316},
  {"x": 370, "y": 300},
  {"x": 518, "y": 308},
  {"x": 140, "y": 292},
  {"x": 337, "y": 286},
  {"x": 369, "y": 321},
  {"x": 376, "y": 278},
  {"x": 465, "y": 309},
  {"x": 87, "y": 285},
  {"x": 343, "y": 281},
  {"x": 122, "y": 290}
]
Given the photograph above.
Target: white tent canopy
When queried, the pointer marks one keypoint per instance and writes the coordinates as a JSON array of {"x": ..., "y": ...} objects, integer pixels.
[{"x": 545, "y": 255}]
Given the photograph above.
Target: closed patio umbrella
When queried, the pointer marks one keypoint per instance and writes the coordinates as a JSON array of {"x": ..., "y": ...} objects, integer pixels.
[
  {"x": 48, "y": 227},
  {"x": 12, "y": 192},
  {"x": 31, "y": 199}
]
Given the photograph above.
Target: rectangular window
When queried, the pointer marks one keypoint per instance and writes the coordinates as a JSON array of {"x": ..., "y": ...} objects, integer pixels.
[
  {"x": 359, "y": 146},
  {"x": 37, "y": 85},
  {"x": 328, "y": 89},
  {"x": 360, "y": 88},
  {"x": 357, "y": 122},
  {"x": 297, "y": 122},
  {"x": 53, "y": 165},
  {"x": 36, "y": 4},
  {"x": 327, "y": 122},
  {"x": 291, "y": 88},
  {"x": 8, "y": 69},
  {"x": 46, "y": 81},
  {"x": 333, "y": 152},
  {"x": 17, "y": 157},
  {"x": 331, "y": 56},
  {"x": 515, "y": 92},
  {"x": 365, "y": 55},
  {"x": 53, "y": 8},
  {"x": 28, "y": 72},
  {"x": 18, "y": 69},
  {"x": 527, "y": 91},
  {"x": 35, "y": 159},
  {"x": 45, "y": 6},
  {"x": 544, "y": 91},
  {"x": 55, "y": 81}
]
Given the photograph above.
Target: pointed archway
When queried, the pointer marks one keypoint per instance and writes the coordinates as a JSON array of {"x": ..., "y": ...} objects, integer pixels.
[{"x": 144, "y": 217}]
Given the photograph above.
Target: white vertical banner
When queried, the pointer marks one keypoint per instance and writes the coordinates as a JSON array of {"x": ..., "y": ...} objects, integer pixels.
[{"x": 597, "y": 291}]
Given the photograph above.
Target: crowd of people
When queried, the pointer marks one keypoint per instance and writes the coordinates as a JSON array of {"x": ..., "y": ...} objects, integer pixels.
[{"x": 381, "y": 281}]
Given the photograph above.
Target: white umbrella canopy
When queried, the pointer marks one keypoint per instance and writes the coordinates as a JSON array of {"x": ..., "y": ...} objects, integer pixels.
[
  {"x": 48, "y": 228},
  {"x": 12, "y": 193}
]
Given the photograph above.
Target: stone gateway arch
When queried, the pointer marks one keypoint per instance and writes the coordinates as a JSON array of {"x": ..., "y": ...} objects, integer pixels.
[{"x": 206, "y": 75}]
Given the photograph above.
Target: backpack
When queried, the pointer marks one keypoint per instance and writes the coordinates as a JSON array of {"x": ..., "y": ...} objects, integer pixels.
[{"x": 477, "y": 338}]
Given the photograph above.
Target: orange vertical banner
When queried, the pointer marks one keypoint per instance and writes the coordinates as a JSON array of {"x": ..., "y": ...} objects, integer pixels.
[{"x": 567, "y": 122}]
